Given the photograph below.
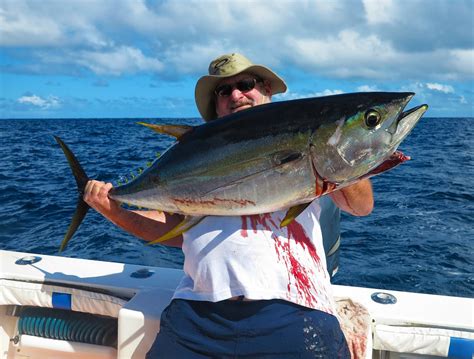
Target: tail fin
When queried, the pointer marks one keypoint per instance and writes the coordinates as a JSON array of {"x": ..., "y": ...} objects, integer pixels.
[{"x": 81, "y": 180}]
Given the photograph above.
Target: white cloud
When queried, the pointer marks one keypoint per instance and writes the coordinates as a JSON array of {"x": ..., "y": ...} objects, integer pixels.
[
  {"x": 36, "y": 23},
  {"x": 22, "y": 27},
  {"x": 379, "y": 11},
  {"x": 462, "y": 61},
  {"x": 194, "y": 58},
  {"x": 348, "y": 54},
  {"x": 118, "y": 61},
  {"x": 328, "y": 92},
  {"x": 367, "y": 88},
  {"x": 114, "y": 61},
  {"x": 364, "y": 39},
  {"x": 440, "y": 87},
  {"x": 290, "y": 95},
  {"x": 43, "y": 103}
]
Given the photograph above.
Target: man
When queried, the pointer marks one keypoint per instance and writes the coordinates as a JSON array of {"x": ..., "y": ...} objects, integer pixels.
[{"x": 250, "y": 288}]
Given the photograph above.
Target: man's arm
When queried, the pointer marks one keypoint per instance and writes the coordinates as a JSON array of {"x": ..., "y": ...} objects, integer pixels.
[
  {"x": 357, "y": 199},
  {"x": 148, "y": 225}
]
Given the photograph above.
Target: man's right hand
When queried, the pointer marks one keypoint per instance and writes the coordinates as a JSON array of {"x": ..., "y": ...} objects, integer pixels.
[
  {"x": 148, "y": 225},
  {"x": 96, "y": 196}
]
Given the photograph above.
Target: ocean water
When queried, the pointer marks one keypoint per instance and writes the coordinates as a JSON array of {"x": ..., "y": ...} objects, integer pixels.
[{"x": 419, "y": 238}]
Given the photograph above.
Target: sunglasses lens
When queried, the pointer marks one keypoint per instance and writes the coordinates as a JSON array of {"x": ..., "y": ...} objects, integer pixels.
[
  {"x": 245, "y": 85},
  {"x": 242, "y": 85},
  {"x": 224, "y": 90}
]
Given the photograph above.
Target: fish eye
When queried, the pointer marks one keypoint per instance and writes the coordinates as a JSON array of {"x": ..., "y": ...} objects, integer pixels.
[{"x": 372, "y": 118}]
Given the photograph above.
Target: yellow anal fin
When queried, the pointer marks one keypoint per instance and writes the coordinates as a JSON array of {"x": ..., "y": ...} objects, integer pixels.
[
  {"x": 187, "y": 223},
  {"x": 292, "y": 213},
  {"x": 171, "y": 130}
]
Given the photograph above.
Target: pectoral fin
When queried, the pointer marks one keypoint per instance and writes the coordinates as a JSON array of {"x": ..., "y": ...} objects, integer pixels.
[
  {"x": 187, "y": 223},
  {"x": 292, "y": 213},
  {"x": 171, "y": 130}
]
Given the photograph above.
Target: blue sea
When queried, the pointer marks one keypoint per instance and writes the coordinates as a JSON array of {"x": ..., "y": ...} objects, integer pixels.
[{"x": 419, "y": 238}]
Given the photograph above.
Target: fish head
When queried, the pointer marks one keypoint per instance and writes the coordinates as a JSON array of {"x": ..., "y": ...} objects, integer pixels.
[{"x": 363, "y": 133}]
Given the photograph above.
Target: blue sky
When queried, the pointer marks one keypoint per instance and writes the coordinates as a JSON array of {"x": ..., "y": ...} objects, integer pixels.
[{"x": 117, "y": 58}]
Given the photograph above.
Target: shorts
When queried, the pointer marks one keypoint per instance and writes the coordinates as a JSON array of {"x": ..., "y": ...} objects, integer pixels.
[{"x": 247, "y": 329}]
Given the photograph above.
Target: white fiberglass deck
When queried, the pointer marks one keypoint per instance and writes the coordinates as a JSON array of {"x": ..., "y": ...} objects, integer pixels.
[{"x": 418, "y": 324}]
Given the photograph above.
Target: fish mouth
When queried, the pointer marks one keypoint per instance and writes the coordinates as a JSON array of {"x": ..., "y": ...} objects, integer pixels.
[
  {"x": 408, "y": 112},
  {"x": 406, "y": 122},
  {"x": 403, "y": 125},
  {"x": 394, "y": 160}
]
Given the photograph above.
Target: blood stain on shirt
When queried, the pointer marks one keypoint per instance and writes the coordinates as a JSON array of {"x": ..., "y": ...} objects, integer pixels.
[{"x": 302, "y": 277}]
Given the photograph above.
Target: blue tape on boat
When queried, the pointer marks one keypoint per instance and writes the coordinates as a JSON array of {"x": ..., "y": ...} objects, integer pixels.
[
  {"x": 61, "y": 300},
  {"x": 461, "y": 348}
]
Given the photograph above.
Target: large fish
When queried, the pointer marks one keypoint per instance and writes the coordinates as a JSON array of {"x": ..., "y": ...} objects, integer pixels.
[{"x": 267, "y": 158}]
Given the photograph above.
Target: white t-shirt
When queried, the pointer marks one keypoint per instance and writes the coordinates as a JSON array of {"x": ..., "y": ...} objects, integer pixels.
[{"x": 252, "y": 256}]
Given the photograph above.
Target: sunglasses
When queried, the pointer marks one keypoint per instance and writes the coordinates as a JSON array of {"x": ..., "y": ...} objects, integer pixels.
[{"x": 245, "y": 85}]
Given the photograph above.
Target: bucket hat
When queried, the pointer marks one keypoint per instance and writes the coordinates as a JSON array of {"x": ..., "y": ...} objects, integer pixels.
[{"x": 226, "y": 66}]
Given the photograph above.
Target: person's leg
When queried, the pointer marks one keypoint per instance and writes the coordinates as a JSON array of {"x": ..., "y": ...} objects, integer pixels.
[
  {"x": 282, "y": 329},
  {"x": 247, "y": 329},
  {"x": 192, "y": 329}
]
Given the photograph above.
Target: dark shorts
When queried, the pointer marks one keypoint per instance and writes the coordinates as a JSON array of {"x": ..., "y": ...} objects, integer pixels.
[{"x": 247, "y": 329}]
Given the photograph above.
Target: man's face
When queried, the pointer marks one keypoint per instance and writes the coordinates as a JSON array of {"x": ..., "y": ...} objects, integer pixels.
[{"x": 230, "y": 100}]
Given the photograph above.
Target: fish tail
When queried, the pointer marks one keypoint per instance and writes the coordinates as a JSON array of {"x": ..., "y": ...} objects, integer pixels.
[{"x": 81, "y": 180}]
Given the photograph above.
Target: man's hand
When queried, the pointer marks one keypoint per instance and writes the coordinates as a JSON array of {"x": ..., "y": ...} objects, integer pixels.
[
  {"x": 148, "y": 225},
  {"x": 96, "y": 196},
  {"x": 357, "y": 199}
]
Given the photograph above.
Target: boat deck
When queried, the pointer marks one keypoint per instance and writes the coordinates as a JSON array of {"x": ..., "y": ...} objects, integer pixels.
[{"x": 403, "y": 324}]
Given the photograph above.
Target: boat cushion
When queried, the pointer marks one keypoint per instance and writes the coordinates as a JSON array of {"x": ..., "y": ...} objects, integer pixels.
[
  {"x": 54, "y": 296},
  {"x": 422, "y": 340}
]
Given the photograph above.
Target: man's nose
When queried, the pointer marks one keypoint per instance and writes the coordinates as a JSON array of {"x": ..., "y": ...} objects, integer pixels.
[{"x": 235, "y": 94}]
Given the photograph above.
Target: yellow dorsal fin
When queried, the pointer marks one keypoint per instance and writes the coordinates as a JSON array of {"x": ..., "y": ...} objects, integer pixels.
[
  {"x": 171, "y": 130},
  {"x": 292, "y": 213}
]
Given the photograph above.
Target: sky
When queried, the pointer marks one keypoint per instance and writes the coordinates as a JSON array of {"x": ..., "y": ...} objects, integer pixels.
[{"x": 141, "y": 59}]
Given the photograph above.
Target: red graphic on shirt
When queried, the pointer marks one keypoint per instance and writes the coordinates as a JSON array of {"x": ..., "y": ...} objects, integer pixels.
[{"x": 301, "y": 277}]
